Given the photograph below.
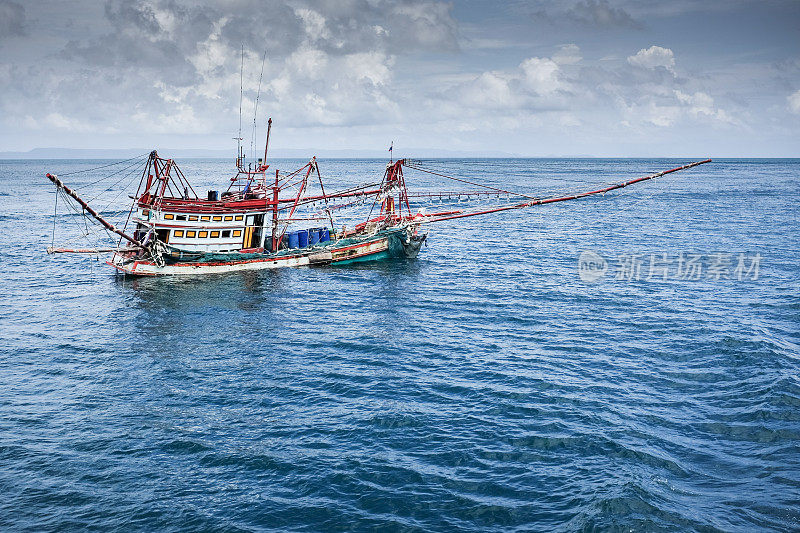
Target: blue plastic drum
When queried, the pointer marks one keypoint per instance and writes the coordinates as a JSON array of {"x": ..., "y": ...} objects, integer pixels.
[
  {"x": 313, "y": 236},
  {"x": 302, "y": 238},
  {"x": 294, "y": 239}
]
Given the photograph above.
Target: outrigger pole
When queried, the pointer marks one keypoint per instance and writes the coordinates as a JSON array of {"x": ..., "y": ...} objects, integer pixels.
[
  {"x": 542, "y": 201},
  {"x": 106, "y": 224}
]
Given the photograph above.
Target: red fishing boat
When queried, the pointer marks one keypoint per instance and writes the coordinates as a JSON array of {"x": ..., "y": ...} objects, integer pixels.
[{"x": 255, "y": 224}]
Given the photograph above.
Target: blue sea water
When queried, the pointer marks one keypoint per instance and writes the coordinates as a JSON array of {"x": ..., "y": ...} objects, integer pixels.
[{"x": 484, "y": 386}]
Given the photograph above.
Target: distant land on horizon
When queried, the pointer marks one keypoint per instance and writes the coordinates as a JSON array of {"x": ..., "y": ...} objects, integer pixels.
[
  {"x": 294, "y": 153},
  {"x": 299, "y": 153}
]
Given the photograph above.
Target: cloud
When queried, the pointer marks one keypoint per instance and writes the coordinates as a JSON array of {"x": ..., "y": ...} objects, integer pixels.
[
  {"x": 794, "y": 102},
  {"x": 600, "y": 13},
  {"x": 597, "y": 14},
  {"x": 512, "y": 98},
  {"x": 174, "y": 64},
  {"x": 701, "y": 104},
  {"x": 653, "y": 57},
  {"x": 12, "y": 19},
  {"x": 542, "y": 76},
  {"x": 351, "y": 71},
  {"x": 567, "y": 54}
]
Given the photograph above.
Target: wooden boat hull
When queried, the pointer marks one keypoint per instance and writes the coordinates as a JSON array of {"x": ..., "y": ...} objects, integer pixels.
[{"x": 391, "y": 244}]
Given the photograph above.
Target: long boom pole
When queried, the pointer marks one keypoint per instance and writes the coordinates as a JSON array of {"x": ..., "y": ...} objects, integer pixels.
[
  {"x": 542, "y": 201},
  {"x": 106, "y": 224}
]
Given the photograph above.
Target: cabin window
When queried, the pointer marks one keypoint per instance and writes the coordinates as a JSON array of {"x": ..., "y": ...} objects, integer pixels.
[
  {"x": 237, "y": 233},
  {"x": 192, "y": 217},
  {"x": 214, "y": 234},
  {"x": 169, "y": 216},
  {"x": 178, "y": 233},
  {"x": 239, "y": 217},
  {"x": 217, "y": 218},
  {"x": 180, "y": 217},
  {"x": 226, "y": 234},
  {"x": 228, "y": 218},
  {"x": 250, "y": 220},
  {"x": 205, "y": 218},
  {"x": 191, "y": 234},
  {"x": 202, "y": 235}
]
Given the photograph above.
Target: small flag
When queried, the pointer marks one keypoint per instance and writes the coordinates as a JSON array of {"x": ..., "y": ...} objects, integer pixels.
[{"x": 391, "y": 146}]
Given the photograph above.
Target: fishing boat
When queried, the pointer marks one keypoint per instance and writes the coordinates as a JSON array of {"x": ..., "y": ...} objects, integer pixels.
[{"x": 268, "y": 218}]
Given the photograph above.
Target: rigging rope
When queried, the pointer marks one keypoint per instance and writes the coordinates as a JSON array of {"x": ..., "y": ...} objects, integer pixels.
[
  {"x": 115, "y": 183},
  {"x": 104, "y": 166},
  {"x": 471, "y": 183}
]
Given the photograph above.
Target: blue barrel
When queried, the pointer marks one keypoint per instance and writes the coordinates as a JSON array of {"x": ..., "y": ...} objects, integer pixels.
[
  {"x": 324, "y": 235},
  {"x": 302, "y": 238},
  {"x": 294, "y": 239},
  {"x": 313, "y": 236}
]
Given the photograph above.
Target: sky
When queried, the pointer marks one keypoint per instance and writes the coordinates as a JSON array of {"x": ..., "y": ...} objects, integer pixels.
[{"x": 574, "y": 78}]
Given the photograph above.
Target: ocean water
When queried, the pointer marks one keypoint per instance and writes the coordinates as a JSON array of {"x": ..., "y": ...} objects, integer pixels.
[{"x": 495, "y": 383}]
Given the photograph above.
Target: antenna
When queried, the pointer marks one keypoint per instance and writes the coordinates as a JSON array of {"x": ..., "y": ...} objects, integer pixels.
[
  {"x": 241, "y": 93},
  {"x": 255, "y": 108}
]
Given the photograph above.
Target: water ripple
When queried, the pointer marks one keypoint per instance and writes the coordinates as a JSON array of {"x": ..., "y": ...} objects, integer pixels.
[{"x": 480, "y": 387}]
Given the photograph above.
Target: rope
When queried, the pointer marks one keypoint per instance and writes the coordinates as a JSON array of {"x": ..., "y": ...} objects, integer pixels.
[
  {"x": 113, "y": 185},
  {"x": 104, "y": 166},
  {"x": 472, "y": 183}
]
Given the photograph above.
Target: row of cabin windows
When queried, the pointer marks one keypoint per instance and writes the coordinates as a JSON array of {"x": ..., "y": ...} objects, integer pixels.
[
  {"x": 204, "y": 218},
  {"x": 191, "y": 234}
]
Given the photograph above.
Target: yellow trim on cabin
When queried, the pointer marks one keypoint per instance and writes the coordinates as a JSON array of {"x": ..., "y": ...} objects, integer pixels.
[
  {"x": 192, "y": 217},
  {"x": 214, "y": 234},
  {"x": 202, "y": 235},
  {"x": 205, "y": 218},
  {"x": 191, "y": 234},
  {"x": 228, "y": 218},
  {"x": 217, "y": 218},
  {"x": 237, "y": 233},
  {"x": 239, "y": 217},
  {"x": 169, "y": 216},
  {"x": 177, "y": 233}
]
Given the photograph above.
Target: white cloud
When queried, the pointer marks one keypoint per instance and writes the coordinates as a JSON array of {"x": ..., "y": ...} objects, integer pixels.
[
  {"x": 308, "y": 63},
  {"x": 314, "y": 24},
  {"x": 701, "y": 104},
  {"x": 541, "y": 75},
  {"x": 567, "y": 54},
  {"x": 489, "y": 90},
  {"x": 374, "y": 67},
  {"x": 794, "y": 102},
  {"x": 653, "y": 57}
]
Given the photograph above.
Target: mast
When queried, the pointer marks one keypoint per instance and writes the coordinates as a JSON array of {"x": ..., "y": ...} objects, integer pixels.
[
  {"x": 110, "y": 227},
  {"x": 266, "y": 145},
  {"x": 239, "y": 158}
]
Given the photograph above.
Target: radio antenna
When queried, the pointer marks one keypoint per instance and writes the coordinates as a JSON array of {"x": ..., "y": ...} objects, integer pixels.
[
  {"x": 241, "y": 93},
  {"x": 255, "y": 108}
]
